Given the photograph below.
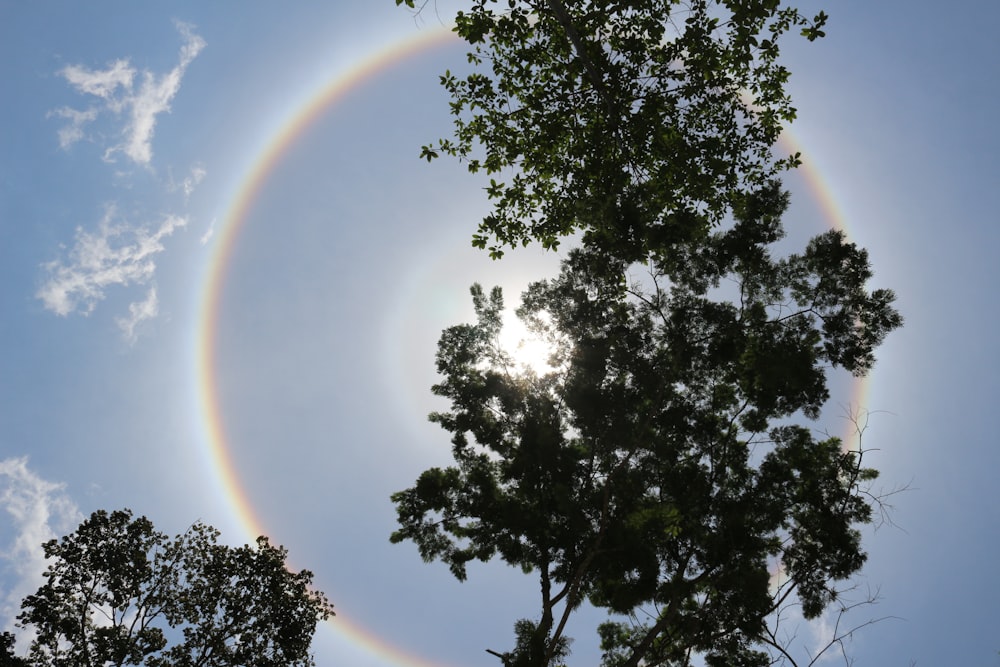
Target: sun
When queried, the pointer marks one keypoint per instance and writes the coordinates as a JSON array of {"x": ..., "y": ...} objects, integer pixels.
[{"x": 528, "y": 351}]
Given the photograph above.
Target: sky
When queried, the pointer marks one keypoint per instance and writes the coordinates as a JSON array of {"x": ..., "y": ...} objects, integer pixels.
[{"x": 224, "y": 269}]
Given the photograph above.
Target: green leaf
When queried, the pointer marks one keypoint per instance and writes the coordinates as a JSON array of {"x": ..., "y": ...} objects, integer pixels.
[{"x": 428, "y": 153}]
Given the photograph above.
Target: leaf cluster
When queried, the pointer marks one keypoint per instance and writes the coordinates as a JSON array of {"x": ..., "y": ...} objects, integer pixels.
[
  {"x": 658, "y": 468},
  {"x": 637, "y": 123},
  {"x": 119, "y": 592}
]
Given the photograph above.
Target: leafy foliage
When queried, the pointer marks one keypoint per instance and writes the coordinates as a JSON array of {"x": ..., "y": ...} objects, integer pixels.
[
  {"x": 658, "y": 467},
  {"x": 119, "y": 591},
  {"x": 659, "y": 471},
  {"x": 635, "y": 122},
  {"x": 8, "y": 658}
]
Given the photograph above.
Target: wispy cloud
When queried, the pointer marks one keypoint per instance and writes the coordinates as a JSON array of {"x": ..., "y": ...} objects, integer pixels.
[
  {"x": 116, "y": 86},
  {"x": 101, "y": 83},
  {"x": 73, "y": 132},
  {"x": 209, "y": 233},
  {"x": 190, "y": 182},
  {"x": 138, "y": 312},
  {"x": 116, "y": 254},
  {"x": 35, "y": 511},
  {"x": 153, "y": 98}
]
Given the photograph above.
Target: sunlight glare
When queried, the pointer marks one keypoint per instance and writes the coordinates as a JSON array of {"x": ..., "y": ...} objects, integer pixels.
[{"x": 528, "y": 351}]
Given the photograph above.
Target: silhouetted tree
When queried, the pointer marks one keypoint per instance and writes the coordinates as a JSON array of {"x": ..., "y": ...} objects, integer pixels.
[
  {"x": 658, "y": 471},
  {"x": 119, "y": 592},
  {"x": 636, "y": 123},
  {"x": 7, "y": 656}
]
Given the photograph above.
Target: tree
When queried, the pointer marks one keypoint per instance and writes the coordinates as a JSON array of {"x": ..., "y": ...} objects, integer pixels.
[
  {"x": 635, "y": 122},
  {"x": 659, "y": 472},
  {"x": 8, "y": 658},
  {"x": 119, "y": 592}
]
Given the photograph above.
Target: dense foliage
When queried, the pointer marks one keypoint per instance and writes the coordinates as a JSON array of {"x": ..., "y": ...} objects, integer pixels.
[
  {"x": 119, "y": 592},
  {"x": 656, "y": 470},
  {"x": 635, "y": 122},
  {"x": 661, "y": 470}
]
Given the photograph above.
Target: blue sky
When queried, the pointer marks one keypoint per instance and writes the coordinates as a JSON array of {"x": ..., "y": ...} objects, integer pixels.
[{"x": 127, "y": 131}]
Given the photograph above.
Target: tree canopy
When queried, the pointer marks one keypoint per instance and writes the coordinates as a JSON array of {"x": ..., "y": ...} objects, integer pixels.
[
  {"x": 636, "y": 123},
  {"x": 119, "y": 592},
  {"x": 662, "y": 471},
  {"x": 658, "y": 470}
]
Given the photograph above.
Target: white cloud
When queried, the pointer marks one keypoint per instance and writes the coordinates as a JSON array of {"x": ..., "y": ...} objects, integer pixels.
[
  {"x": 116, "y": 254},
  {"x": 116, "y": 87},
  {"x": 102, "y": 83},
  {"x": 153, "y": 98},
  {"x": 190, "y": 182},
  {"x": 72, "y": 133},
  {"x": 209, "y": 233},
  {"x": 35, "y": 511},
  {"x": 139, "y": 311}
]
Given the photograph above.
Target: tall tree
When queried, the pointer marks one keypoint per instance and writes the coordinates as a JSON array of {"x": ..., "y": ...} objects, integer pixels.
[
  {"x": 119, "y": 592},
  {"x": 659, "y": 471},
  {"x": 635, "y": 122},
  {"x": 661, "y": 467}
]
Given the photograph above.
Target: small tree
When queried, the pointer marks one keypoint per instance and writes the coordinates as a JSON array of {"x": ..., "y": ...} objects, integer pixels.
[
  {"x": 119, "y": 592},
  {"x": 658, "y": 472}
]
